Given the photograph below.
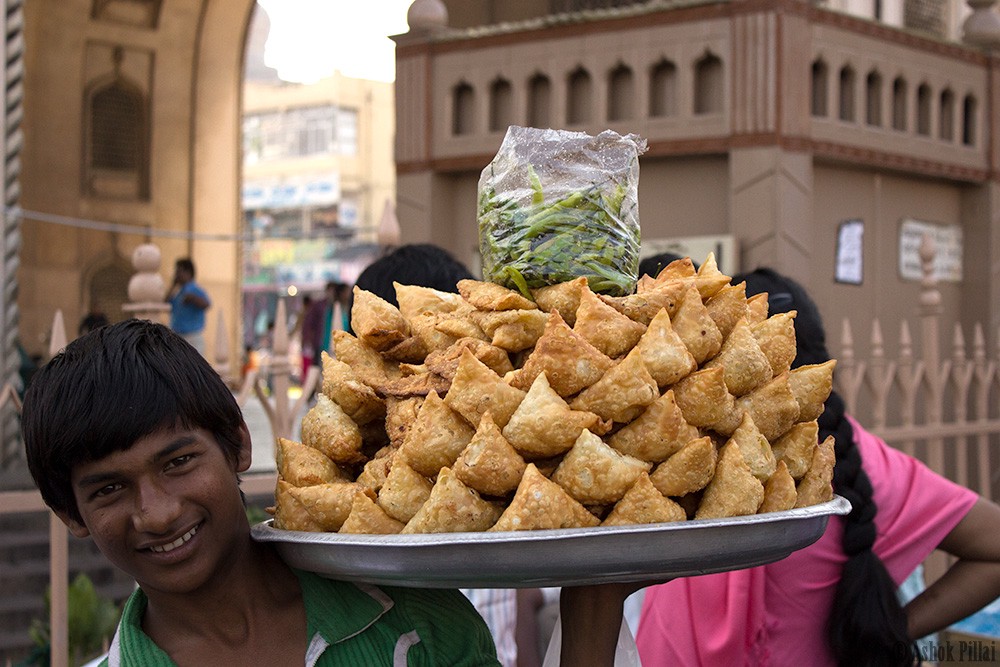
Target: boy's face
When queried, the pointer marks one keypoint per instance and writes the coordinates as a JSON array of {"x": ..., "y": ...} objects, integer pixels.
[{"x": 167, "y": 511}]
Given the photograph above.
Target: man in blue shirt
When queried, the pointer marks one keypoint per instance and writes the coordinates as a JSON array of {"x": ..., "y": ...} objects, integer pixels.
[{"x": 188, "y": 303}]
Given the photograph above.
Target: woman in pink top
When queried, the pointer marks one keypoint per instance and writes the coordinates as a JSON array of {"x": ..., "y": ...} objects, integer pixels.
[{"x": 834, "y": 602}]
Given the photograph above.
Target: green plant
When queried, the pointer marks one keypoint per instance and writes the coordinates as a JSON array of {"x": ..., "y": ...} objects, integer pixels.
[{"x": 91, "y": 621}]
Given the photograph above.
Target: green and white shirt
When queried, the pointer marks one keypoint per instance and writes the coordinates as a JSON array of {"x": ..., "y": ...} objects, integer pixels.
[{"x": 351, "y": 625}]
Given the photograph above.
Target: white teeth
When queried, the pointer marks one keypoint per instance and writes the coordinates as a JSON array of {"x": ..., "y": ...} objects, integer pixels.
[{"x": 176, "y": 543}]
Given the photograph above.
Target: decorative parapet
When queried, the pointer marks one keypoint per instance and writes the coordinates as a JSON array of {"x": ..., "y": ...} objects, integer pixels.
[{"x": 982, "y": 27}]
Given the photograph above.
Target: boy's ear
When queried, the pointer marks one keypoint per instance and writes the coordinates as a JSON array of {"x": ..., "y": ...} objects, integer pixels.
[
  {"x": 246, "y": 449},
  {"x": 75, "y": 527}
]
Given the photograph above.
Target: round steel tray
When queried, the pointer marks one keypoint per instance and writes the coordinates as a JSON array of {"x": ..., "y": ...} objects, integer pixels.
[{"x": 563, "y": 557}]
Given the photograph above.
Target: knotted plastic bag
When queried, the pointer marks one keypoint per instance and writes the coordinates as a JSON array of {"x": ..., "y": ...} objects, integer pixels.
[{"x": 555, "y": 205}]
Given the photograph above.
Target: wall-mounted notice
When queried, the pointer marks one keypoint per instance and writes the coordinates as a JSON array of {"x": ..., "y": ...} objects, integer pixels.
[
  {"x": 850, "y": 252},
  {"x": 947, "y": 242}
]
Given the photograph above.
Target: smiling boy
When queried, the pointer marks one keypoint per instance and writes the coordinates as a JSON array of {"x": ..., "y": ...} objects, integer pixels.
[{"x": 136, "y": 442}]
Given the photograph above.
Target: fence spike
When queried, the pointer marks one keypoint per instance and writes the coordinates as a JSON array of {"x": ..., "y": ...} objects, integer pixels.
[
  {"x": 279, "y": 345},
  {"x": 878, "y": 349},
  {"x": 958, "y": 344},
  {"x": 978, "y": 343},
  {"x": 57, "y": 341},
  {"x": 221, "y": 343}
]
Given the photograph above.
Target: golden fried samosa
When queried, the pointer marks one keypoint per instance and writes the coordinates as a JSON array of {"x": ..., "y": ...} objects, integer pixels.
[
  {"x": 663, "y": 352},
  {"x": 656, "y": 434},
  {"x": 567, "y": 359},
  {"x": 491, "y": 296},
  {"x": 512, "y": 330},
  {"x": 543, "y": 425},
  {"x": 817, "y": 485},
  {"x": 622, "y": 394},
  {"x": 773, "y": 407},
  {"x": 400, "y": 416},
  {"x": 437, "y": 437},
  {"x": 453, "y": 508},
  {"x": 404, "y": 491},
  {"x": 733, "y": 491},
  {"x": 416, "y": 299},
  {"x": 811, "y": 385},
  {"x": 561, "y": 297},
  {"x": 696, "y": 327},
  {"x": 727, "y": 307},
  {"x": 776, "y": 337},
  {"x": 779, "y": 491},
  {"x": 604, "y": 327},
  {"x": 489, "y": 464},
  {"x": 476, "y": 389},
  {"x": 796, "y": 447},
  {"x": 367, "y": 518},
  {"x": 317, "y": 508},
  {"x": 745, "y": 366},
  {"x": 595, "y": 473},
  {"x": 300, "y": 465},
  {"x": 687, "y": 471},
  {"x": 643, "y": 306},
  {"x": 644, "y": 504},
  {"x": 376, "y": 321},
  {"x": 755, "y": 448},
  {"x": 539, "y": 504},
  {"x": 329, "y": 429},
  {"x": 705, "y": 400},
  {"x": 344, "y": 388}
]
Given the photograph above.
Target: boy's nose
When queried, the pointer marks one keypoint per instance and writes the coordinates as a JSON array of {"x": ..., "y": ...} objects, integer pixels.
[{"x": 156, "y": 510}]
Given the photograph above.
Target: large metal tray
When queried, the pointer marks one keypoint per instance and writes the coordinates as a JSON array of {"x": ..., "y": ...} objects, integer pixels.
[{"x": 563, "y": 557}]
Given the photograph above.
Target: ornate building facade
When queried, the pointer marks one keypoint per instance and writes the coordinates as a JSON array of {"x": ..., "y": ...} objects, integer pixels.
[{"x": 825, "y": 138}]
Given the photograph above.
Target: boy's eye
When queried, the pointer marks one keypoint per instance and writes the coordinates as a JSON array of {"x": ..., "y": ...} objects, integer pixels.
[
  {"x": 106, "y": 490},
  {"x": 178, "y": 461}
]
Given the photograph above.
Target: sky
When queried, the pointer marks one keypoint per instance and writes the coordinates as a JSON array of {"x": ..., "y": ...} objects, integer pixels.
[{"x": 310, "y": 39}]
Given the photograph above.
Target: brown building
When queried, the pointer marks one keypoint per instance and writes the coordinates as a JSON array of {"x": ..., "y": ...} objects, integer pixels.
[
  {"x": 823, "y": 139},
  {"x": 131, "y": 133}
]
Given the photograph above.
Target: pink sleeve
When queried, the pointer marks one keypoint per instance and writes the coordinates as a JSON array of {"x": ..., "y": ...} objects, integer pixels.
[{"x": 917, "y": 507}]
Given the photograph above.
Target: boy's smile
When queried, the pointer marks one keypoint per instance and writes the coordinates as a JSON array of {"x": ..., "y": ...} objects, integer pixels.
[{"x": 167, "y": 510}]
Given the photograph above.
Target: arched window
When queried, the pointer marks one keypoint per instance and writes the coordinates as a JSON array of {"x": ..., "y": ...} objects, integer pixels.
[
  {"x": 116, "y": 138},
  {"x": 969, "y": 120},
  {"x": 501, "y": 105},
  {"x": 924, "y": 110},
  {"x": 708, "y": 85},
  {"x": 539, "y": 101},
  {"x": 819, "y": 78},
  {"x": 873, "y": 98},
  {"x": 946, "y": 116},
  {"x": 899, "y": 104},
  {"x": 621, "y": 93},
  {"x": 846, "y": 94},
  {"x": 463, "y": 109},
  {"x": 663, "y": 89},
  {"x": 579, "y": 97}
]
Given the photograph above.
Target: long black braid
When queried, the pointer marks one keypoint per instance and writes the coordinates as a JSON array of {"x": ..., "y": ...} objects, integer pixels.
[{"x": 867, "y": 625}]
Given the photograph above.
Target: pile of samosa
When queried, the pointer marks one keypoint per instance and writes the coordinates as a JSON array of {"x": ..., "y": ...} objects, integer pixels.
[{"x": 488, "y": 410}]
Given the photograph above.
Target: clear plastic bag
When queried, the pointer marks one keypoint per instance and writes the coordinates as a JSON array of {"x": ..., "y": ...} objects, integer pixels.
[{"x": 555, "y": 205}]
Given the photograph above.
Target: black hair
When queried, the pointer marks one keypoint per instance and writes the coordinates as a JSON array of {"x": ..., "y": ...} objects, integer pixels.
[
  {"x": 186, "y": 264},
  {"x": 867, "y": 625},
  {"x": 112, "y": 387},
  {"x": 652, "y": 265},
  {"x": 91, "y": 321},
  {"x": 420, "y": 264}
]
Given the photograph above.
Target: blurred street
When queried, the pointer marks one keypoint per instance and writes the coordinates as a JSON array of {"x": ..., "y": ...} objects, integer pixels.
[{"x": 261, "y": 434}]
